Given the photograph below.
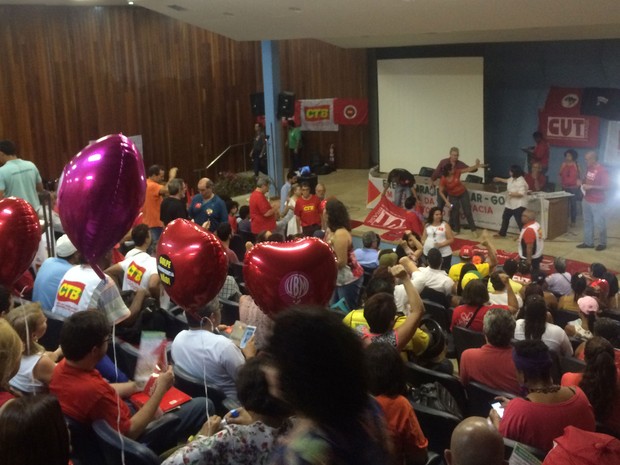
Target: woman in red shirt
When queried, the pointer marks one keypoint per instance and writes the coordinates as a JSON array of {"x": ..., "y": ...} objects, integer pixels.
[
  {"x": 569, "y": 177},
  {"x": 457, "y": 195}
]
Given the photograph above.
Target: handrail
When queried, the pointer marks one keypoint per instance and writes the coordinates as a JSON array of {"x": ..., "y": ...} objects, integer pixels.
[{"x": 227, "y": 149}]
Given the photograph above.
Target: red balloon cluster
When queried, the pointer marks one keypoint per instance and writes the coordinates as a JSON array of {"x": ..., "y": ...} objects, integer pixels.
[
  {"x": 20, "y": 234},
  {"x": 279, "y": 275},
  {"x": 100, "y": 194},
  {"x": 191, "y": 263}
]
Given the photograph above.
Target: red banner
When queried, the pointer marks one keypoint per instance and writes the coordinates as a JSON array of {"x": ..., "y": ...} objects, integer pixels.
[
  {"x": 563, "y": 124},
  {"x": 349, "y": 111},
  {"x": 386, "y": 215},
  {"x": 569, "y": 131}
]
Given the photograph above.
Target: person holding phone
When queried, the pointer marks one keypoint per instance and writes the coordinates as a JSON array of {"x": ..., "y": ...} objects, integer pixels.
[{"x": 202, "y": 352}]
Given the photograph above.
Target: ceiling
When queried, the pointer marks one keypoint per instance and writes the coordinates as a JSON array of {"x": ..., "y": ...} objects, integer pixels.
[{"x": 387, "y": 23}]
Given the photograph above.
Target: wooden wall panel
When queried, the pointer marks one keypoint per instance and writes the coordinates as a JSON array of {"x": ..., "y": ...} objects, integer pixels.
[{"x": 72, "y": 74}]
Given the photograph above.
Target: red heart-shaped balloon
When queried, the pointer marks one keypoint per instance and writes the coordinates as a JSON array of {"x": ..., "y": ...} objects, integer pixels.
[
  {"x": 279, "y": 275},
  {"x": 20, "y": 234},
  {"x": 191, "y": 263}
]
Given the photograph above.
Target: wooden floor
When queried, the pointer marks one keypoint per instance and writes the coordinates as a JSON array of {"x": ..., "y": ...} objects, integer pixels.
[{"x": 350, "y": 186}]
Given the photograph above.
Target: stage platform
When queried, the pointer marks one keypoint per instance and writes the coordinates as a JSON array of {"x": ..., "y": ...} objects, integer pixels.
[{"x": 351, "y": 187}]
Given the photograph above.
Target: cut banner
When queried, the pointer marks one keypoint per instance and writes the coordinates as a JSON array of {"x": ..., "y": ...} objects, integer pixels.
[{"x": 388, "y": 216}]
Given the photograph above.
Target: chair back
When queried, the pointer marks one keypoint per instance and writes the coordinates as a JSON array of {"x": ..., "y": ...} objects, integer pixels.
[
  {"x": 465, "y": 338},
  {"x": 571, "y": 365},
  {"x": 195, "y": 387},
  {"x": 436, "y": 296},
  {"x": 237, "y": 245},
  {"x": 84, "y": 446},
  {"x": 110, "y": 444},
  {"x": 426, "y": 171},
  {"x": 438, "y": 313},
  {"x": 51, "y": 338},
  {"x": 437, "y": 426},
  {"x": 230, "y": 311},
  {"x": 418, "y": 375},
  {"x": 472, "y": 178},
  {"x": 510, "y": 444},
  {"x": 480, "y": 398},
  {"x": 562, "y": 317},
  {"x": 126, "y": 356}
]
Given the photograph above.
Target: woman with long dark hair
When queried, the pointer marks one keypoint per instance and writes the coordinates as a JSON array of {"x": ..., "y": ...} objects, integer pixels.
[
  {"x": 599, "y": 382},
  {"x": 516, "y": 198},
  {"x": 350, "y": 273},
  {"x": 534, "y": 326},
  {"x": 438, "y": 234},
  {"x": 578, "y": 284}
]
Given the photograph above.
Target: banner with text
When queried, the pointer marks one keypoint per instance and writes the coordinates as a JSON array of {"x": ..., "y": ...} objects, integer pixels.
[
  {"x": 317, "y": 115},
  {"x": 563, "y": 124}
]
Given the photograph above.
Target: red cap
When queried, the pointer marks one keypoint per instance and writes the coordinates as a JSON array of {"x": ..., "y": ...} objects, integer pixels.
[{"x": 466, "y": 251}]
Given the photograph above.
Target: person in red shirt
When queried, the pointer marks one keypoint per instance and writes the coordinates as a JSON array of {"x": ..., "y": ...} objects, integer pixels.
[
  {"x": 414, "y": 221},
  {"x": 457, "y": 195},
  {"x": 308, "y": 211},
  {"x": 540, "y": 152},
  {"x": 262, "y": 214},
  {"x": 569, "y": 180},
  {"x": 594, "y": 186},
  {"x": 536, "y": 180},
  {"x": 475, "y": 305},
  {"x": 531, "y": 240},
  {"x": 453, "y": 160}
]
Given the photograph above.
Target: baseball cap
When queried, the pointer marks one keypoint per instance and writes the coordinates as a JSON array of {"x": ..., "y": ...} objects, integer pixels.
[
  {"x": 602, "y": 286},
  {"x": 466, "y": 251},
  {"x": 64, "y": 247},
  {"x": 469, "y": 276},
  {"x": 588, "y": 304}
]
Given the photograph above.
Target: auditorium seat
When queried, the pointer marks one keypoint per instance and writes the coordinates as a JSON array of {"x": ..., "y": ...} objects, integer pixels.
[
  {"x": 418, "y": 375},
  {"x": 465, "y": 338},
  {"x": 437, "y": 427},
  {"x": 480, "y": 397}
]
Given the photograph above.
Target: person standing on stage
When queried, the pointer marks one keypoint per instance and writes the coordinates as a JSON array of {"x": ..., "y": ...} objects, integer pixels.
[
  {"x": 531, "y": 240},
  {"x": 569, "y": 178},
  {"x": 594, "y": 187},
  {"x": 535, "y": 179},
  {"x": 457, "y": 195},
  {"x": 539, "y": 153},
  {"x": 18, "y": 178},
  {"x": 453, "y": 160},
  {"x": 207, "y": 207},
  {"x": 294, "y": 144},
  {"x": 258, "y": 148},
  {"x": 516, "y": 198}
]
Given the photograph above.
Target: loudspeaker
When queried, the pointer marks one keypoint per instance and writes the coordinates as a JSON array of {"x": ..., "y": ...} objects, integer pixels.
[
  {"x": 257, "y": 102},
  {"x": 286, "y": 105}
]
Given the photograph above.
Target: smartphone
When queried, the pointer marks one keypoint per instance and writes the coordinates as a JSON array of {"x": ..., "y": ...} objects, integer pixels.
[
  {"x": 497, "y": 406},
  {"x": 249, "y": 332}
]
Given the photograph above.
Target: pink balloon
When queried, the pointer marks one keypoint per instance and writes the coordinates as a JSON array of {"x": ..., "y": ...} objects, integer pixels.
[
  {"x": 20, "y": 234},
  {"x": 279, "y": 275},
  {"x": 100, "y": 194},
  {"x": 191, "y": 263}
]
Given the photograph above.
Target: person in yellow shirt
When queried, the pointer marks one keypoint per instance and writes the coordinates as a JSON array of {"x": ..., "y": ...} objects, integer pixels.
[{"x": 467, "y": 256}]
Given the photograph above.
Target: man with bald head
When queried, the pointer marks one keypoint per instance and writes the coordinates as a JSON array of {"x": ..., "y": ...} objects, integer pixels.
[
  {"x": 207, "y": 207},
  {"x": 475, "y": 442},
  {"x": 594, "y": 187},
  {"x": 531, "y": 240}
]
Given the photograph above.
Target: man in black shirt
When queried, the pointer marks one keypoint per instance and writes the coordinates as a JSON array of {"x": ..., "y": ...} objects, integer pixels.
[{"x": 174, "y": 206}]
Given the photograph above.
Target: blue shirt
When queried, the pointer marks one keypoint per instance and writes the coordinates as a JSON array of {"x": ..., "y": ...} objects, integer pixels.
[
  {"x": 47, "y": 281},
  {"x": 284, "y": 192},
  {"x": 214, "y": 210},
  {"x": 368, "y": 258}
]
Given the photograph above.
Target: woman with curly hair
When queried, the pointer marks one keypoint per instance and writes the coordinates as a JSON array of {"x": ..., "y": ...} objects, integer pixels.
[
  {"x": 438, "y": 234},
  {"x": 599, "y": 382},
  {"x": 350, "y": 273}
]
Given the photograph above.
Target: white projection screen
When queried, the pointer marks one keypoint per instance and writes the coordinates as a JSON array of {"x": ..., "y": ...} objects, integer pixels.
[{"x": 426, "y": 106}]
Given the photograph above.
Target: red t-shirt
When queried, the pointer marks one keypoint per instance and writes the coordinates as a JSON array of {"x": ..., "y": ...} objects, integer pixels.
[
  {"x": 463, "y": 313},
  {"x": 537, "y": 424},
  {"x": 308, "y": 210},
  {"x": 491, "y": 366},
  {"x": 85, "y": 396},
  {"x": 413, "y": 223},
  {"x": 529, "y": 234},
  {"x": 596, "y": 176},
  {"x": 405, "y": 431},
  {"x": 259, "y": 205},
  {"x": 541, "y": 153},
  {"x": 453, "y": 186},
  {"x": 569, "y": 174},
  {"x": 5, "y": 397},
  {"x": 232, "y": 221}
]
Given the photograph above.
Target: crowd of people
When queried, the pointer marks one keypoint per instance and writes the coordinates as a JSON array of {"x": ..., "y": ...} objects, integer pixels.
[{"x": 317, "y": 385}]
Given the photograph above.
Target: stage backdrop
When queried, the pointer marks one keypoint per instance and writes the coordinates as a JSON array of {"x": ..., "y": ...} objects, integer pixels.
[{"x": 426, "y": 106}]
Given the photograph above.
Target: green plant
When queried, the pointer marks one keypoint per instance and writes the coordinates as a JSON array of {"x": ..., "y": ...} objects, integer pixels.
[{"x": 234, "y": 184}]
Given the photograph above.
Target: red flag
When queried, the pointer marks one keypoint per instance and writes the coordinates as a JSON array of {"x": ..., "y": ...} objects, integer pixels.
[
  {"x": 563, "y": 101},
  {"x": 350, "y": 111}
]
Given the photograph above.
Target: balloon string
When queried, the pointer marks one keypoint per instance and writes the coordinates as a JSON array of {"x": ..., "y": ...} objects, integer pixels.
[{"x": 118, "y": 398}]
